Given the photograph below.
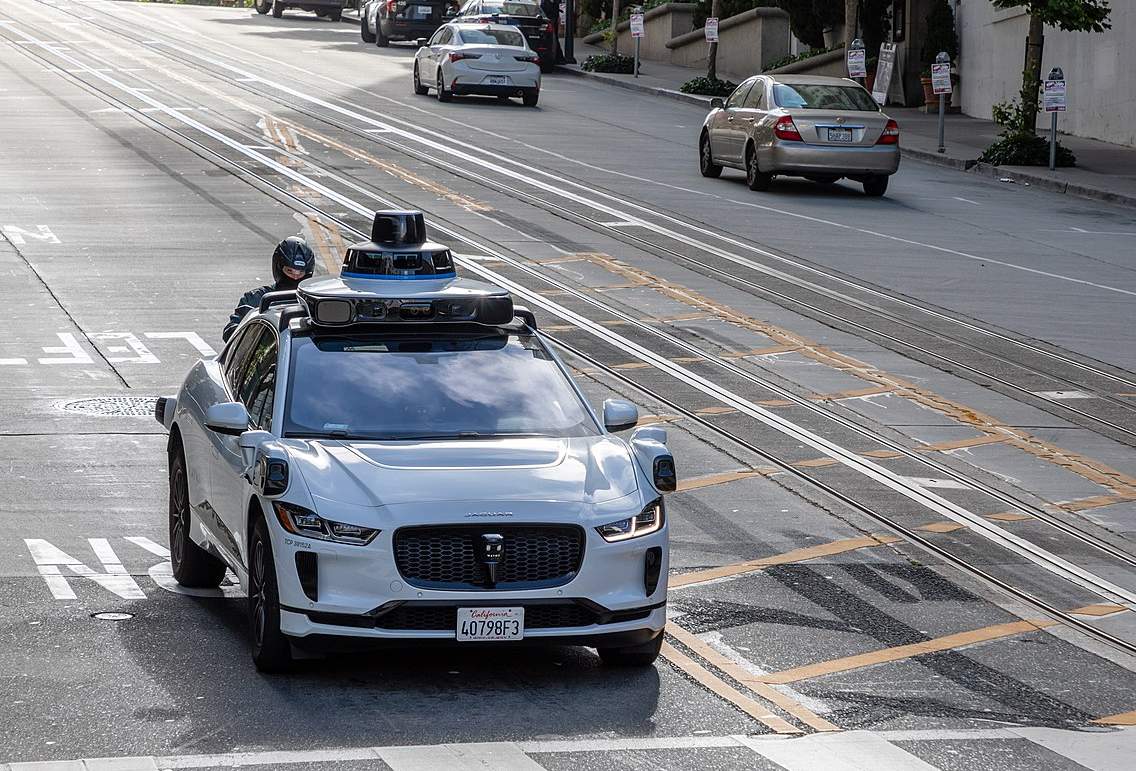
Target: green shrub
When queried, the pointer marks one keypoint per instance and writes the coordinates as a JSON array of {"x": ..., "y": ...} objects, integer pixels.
[
  {"x": 624, "y": 65},
  {"x": 704, "y": 86},
  {"x": 1017, "y": 149}
]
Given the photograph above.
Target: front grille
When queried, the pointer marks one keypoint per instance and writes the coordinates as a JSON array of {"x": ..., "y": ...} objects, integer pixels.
[
  {"x": 446, "y": 557},
  {"x": 434, "y": 617}
]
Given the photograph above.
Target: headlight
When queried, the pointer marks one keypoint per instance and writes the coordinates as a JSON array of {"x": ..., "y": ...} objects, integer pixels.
[
  {"x": 300, "y": 521},
  {"x": 648, "y": 521}
]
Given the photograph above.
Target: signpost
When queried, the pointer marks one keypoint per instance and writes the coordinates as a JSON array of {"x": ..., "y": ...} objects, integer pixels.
[
  {"x": 941, "y": 83},
  {"x": 857, "y": 59},
  {"x": 711, "y": 29},
  {"x": 1053, "y": 99},
  {"x": 883, "y": 73},
  {"x": 637, "y": 32}
]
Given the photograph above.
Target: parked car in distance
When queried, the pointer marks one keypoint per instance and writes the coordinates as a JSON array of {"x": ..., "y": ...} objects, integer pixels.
[
  {"x": 524, "y": 14},
  {"x": 325, "y": 9},
  {"x": 382, "y": 21},
  {"x": 820, "y": 128},
  {"x": 486, "y": 59}
]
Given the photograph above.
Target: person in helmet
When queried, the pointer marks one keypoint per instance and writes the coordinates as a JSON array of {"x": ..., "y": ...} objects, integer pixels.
[{"x": 292, "y": 262}]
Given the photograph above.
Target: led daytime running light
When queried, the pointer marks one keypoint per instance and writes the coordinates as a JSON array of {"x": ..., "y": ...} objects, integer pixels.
[
  {"x": 649, "y": 520},
  {"x": 302, "y": 522}
]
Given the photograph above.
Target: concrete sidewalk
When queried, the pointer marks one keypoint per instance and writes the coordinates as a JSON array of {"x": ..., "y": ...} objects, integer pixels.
[{"x": 1104, "y": 172}]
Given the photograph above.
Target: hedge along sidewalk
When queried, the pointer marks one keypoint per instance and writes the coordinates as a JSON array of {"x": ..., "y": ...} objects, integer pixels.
[{"x": 1105, "y": 172}]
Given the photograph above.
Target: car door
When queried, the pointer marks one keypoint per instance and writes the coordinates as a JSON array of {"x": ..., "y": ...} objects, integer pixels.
[
  {"x": 753, "y": 113},
  {"x": 230, "y": 487},
  {"x": 728, "y": 136},
  {"x": 438, "y": 47}
]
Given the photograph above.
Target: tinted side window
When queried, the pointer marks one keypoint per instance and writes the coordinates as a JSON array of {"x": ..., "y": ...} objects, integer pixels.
[
  {"x": 738, "y": 97},
  {"x": 263, "y": 397},
  {"x": 755, "y": 100},
  {"x": 262, "y": 354},
  {"x": 237, "y": 354}
]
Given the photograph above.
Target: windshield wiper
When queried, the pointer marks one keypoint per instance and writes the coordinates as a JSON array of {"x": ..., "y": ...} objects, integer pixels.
[{"x": 458, "y": 435}]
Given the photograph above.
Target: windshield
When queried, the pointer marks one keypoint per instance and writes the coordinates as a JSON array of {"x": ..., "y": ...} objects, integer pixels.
[
  {"x": 813, "y": 96},
  {"x": 511, "y": 9},
  {"x": 418, "y": 386},
  {"x": 505, "y": 37}
]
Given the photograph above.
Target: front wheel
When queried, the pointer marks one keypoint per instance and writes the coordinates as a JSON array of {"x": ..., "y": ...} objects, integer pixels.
[
  {"x": 263, "y": 6},
  {"x": 192, "y": 566},
  {"x": 755, "y": 177},
  {"x": 380, "y": 39},
  {"x": 336, "y": 14},
  {"x": 277, "y": 9},
  {"x": 419, "y": 89},
  {"x": 365, "y": 31},
  {"x": 876, "y": 186},
  {"x": 706, "y": 163},
  {"x": 530, "y": 98},
  {"x": 633, "y": 655},
  {"x": 271, "y": 651}
]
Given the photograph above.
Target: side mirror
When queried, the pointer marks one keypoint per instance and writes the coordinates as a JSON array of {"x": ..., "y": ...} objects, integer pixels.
[
  {"x": 229, "y": 418},
  {"x": 619, "y": 415},
  {"x": 716, "y": 103},
  {"x": 249, "y": 441},
  {"x": 650, "y": 446},
  {"x": 421, "y": 42}
]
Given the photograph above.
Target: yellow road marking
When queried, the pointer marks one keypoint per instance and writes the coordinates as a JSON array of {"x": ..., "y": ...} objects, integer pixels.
[
  {"x": 947, "y": 642},
  {"x": 958, "y": 444},
  {"x": 1124, "y": 718},
  {"x": 747, "y": 705},
  {"x": 1095, "y": 502},
  {"x": 723, "y": 410},
  {"x": 696, "y": 483},
  {"x": 739, "y": 673},
  {"x": 855, "y": 393},
  {"x": 1008, "y": 516},
  {"x": 941, "y": 527},
  {"x": 882, "y": 454},
  {"x": 647, "y": 420},
  {"x": 797, "y": 555},
  {"x": 816, "y": 463}
]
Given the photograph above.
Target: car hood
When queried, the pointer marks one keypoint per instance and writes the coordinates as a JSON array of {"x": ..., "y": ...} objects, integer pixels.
[{"x": 588, "y": 470}]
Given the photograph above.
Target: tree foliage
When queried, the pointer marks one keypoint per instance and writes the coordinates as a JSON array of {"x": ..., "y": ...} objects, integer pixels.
[
  {"x": 1068, "y": 15},
  {"x": 808, "y": 19},
  {"x": 941, "y": 35}
]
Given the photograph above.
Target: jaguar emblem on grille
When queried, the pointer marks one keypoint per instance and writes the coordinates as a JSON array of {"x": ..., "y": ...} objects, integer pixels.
[{"x": 491, "y": 553}]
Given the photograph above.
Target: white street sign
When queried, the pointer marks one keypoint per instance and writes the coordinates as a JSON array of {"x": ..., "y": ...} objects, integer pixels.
[
  {"x": 1053, "y": 96},
  {"x": 857, "y": 63},
  {"x": 637, "y": 25},
  {"x": 941, "y": 78},
  {"x": 883, "y": 72},
  {"x": 711, "y": 30}
]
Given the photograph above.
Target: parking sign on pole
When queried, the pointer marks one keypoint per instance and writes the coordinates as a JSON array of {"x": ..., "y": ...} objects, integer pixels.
[
  {"x": 637, "y": 25},
  {"x": 711, "y": 29},
  {"x": 857, "y": 60}
]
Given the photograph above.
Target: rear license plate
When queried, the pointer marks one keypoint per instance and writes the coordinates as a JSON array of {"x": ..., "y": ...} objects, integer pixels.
[
  {"x": 497, "y": 80},
  {"x": 840, "y": 135},
  {"x": 490, "y": 624}
]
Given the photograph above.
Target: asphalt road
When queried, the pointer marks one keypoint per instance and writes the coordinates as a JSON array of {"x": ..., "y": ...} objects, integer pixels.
[{"x": 153, "y": 155}]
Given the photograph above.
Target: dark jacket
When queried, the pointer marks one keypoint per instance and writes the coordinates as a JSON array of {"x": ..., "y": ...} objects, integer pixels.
[{"x": 250, "y": 300}]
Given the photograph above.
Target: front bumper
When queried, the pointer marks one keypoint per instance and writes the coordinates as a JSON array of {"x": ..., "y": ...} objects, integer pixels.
[
  {"x": 360, "y": 594},
  {"x": 801, "y": 158}
]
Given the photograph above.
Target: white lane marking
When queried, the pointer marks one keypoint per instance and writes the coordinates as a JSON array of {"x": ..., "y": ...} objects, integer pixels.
[
  {"x": 716, "y": 641},
  {"x": 71, "y": 347},
  {"x": 18, "y": 235},
  {"x": 1091, "y": 232},
  {"x": 1099, "y": 751},
  {"x": 12, "y": 362},
  {"x": 849, "y": 751},
  {"x": 965, "y": 200},
  {"x": 1047, "y": 560},
  {"x": 192, "y": 338},
  {"x": 141, "y": 355},
  {"x": 49, "y": 559},
  {"x": 148, "y": 545},
  {"x": 1063, "y": 395},
  {"x": 500, "y": 756}
]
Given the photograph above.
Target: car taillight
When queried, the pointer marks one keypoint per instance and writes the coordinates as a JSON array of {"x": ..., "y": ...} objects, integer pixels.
[
  {"x": 784, "y": 128},
  {"x": 890, "y": 136},
  {"x": 548, "y": 29},
  {"x": 528, "y": 58},
  {"x": 456, "y": 56}
]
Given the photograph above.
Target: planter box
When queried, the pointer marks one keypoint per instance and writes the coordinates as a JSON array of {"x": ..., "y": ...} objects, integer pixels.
[{"x": 746, "y": 43}]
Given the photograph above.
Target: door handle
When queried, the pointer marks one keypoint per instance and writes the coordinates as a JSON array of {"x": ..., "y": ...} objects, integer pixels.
[
  {"x": 730, "y": 119},
  {"x": 748, "y": 120}
]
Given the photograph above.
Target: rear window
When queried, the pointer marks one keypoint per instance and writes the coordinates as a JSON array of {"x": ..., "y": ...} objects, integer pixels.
[
  {"x": 511, "y": 9},
  {"x": 504, "y": 37},
  {"x": 819, "y": 96}
]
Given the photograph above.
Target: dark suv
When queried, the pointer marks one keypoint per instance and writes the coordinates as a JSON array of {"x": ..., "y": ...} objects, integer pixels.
[
  {"x": 385, "y": 20},
  {"x": 525, "y": 14},
  {"x": 326, "y": 9}
]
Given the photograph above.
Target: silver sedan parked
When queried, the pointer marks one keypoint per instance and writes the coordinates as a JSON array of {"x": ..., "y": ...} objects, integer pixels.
[{"x": 820, "y": 128}]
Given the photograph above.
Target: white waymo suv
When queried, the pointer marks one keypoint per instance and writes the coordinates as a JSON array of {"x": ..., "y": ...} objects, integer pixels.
[{"x": 397, "y": 455}]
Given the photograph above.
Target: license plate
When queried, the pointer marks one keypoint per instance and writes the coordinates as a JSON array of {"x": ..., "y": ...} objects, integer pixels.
[
  {"x": 490, "y": 624},
  {"x": 497, "y": 80},
  {"x": 840, "y": 135}
]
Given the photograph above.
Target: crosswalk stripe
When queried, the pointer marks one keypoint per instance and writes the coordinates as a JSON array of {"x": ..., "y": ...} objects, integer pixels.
[
  {"x": 848, "y": 751},
  {"x": 499, "y": 756}
]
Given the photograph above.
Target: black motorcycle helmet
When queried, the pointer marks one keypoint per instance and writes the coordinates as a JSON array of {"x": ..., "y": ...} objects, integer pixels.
[{"x": 294, "y": 254}]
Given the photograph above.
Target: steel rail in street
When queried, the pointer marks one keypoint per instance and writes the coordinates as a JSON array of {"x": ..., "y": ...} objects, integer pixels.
[
  {"x": 1055, "y": 405},
  {"x": 913, "y": 491}
]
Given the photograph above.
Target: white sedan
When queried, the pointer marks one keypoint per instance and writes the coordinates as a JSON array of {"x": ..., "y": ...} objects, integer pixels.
[{"x": 488, "y": 59}]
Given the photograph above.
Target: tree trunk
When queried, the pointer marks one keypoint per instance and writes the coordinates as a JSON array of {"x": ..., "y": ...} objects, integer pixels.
[
  {"x": 712, "y": 57},
  {"x": 1031, "y": 75},
  {"x": 615, "y": 11},
  {"x": 851, "y": 22}
]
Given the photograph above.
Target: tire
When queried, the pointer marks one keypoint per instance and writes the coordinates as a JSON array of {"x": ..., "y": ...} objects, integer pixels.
[
  {"x": 419, "y": 89},
  {"x": 547, "y": 66},
  {"x": 192, "y": 565},
  {"x": 271, "y": 651},
  {"x": 876, "y": 186},
  {"x": 365, "y": 31},
  {"x": 706, "y": 163},
  {"x": 530, "y": 98},
  {"x": 443, "y": 94},
  {"x": 632, "y": 656},
  {"x": 277, "y": 9},
  {"x": 322, "y": 14},
  {"x": 755, "y": 177},
  {"x": 335, "y": 14},
  {"x": 380, "y": 39},
  {"x": 263, "y": 6}
]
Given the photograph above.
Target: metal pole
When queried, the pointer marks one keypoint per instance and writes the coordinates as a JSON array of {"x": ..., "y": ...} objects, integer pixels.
[
  {"x": 637, "y": 63},
  {"x": 569, "y": 31},
  {"x": 1053, "y": 143},
  {"x": 942, "y": 122}
]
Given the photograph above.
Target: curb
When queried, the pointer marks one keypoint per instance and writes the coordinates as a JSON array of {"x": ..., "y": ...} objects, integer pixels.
[{"x": 701, "y": 101}]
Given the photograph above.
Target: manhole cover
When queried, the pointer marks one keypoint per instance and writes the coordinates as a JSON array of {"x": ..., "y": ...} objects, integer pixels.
[
  {"x": 137, "y": 406},
  {"x": 110, "y": 616}
]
